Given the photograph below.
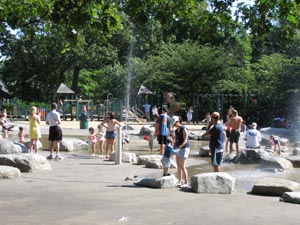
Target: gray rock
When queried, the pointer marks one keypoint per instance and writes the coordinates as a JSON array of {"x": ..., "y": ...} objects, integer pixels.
[
  {"x": 153, "y": 161},
  {"x": 296, "y": 151},
  {"x": 214, "y": 183},
  {"x": 163, "y": 182},
  {"x": 8, "y": 172},
  {"x": 72, "y": 144},
  {"x": 147, "y": 130},
  {"x": 295, "y": 160},
  {"x": 276, "y": 162},
  {"x": 204, "y": 151},
  {"x": 8, "y": 147},
  {"x": 38, "y": 143},
  {"x": 127, "y": 157},
  {"x": 196, "y": 135},
  {"x": 26, "y": 162},
  {"x": 154, "y": 164},
  {"x": 291, "y": 197},
  {"x": 143, "y": 159},
  {"x": 249, "y": 156},
  {"x": 274, "y": 186}
]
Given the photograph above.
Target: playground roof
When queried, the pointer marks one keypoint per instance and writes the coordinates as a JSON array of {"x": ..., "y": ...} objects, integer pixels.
[
  {"x": 63, "y": 89},
  {"x": 144, "y": 90}
]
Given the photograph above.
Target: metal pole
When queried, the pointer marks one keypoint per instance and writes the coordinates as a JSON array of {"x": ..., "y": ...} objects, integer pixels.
[{"x": 118, "y": 152}]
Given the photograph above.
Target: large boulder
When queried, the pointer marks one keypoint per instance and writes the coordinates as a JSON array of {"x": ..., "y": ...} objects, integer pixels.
[
  {"x": 153, "y": 161},
  {"x": 214, "y": 183},
  {"x": 274, "y": 186},
  {"x": 72, "y": 144},
  {"x": 147, "y": 130},
  {"x": 276, "y": 163},
  {"x": 249, "y": 156},
  {"x": 8, "y": 172},
  {"x": 296, "y": 151},
  {"x": 163, "y": 182},
  {"x": 204, "y": 151},
  {"x": 127, "y": 157},
  {"x": 196, "y": 135},
  {"x": 291, "y": 197},
  {"x": 8, "y": 147},
  {"x": 295, "y": 160},
  {"x": 26, "y": 162},
  {"x": 38, "y": 144}
]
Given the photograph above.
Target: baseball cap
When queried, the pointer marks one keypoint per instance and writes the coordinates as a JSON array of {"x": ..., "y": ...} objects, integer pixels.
[{"x": 254, "y": 125}]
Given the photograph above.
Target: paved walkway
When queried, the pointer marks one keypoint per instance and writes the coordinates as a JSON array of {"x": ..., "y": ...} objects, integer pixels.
[{"x": 84, "y": 190}]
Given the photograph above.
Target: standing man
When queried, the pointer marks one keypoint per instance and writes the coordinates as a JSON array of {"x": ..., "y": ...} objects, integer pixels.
[
  {"x": 216, "y": 139},
  {"x": 235, "y": 125},
  {"x": 55, "y": 132},
  {"x": 253, "y": 137},
  {"x": 147, "y": 107},
  {"x": 163, "y": 127}
]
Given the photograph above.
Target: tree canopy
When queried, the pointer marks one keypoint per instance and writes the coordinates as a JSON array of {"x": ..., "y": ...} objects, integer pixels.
[{"x": 180, "y": 46}]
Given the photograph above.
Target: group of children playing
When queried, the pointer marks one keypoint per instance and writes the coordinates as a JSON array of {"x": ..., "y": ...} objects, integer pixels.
[{"x": 96, "y": 137}]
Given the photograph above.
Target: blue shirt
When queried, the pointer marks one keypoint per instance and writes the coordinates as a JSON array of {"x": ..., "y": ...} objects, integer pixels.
[
  {"x": 216, "y": 136},
  {"x": 169, "y": 150}
]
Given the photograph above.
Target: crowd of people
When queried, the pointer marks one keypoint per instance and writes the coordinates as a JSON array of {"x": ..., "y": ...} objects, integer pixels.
[{"x": 170, "y": 132}]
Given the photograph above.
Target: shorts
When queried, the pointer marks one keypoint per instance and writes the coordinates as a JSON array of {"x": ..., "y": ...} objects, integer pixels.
[
  {"x": 162, "y": 139},
  {"x": 227, "y": 133},
  {"x": 166, "y": 162},
  {"x": 234, "y": 136},
  {"x": 183, "y": 153},
  {"x": 110, "y": 135},
  {"x": 216, "y": 156},
  {"x": 101, "y": 139},
  {"x": 55, "y": 133}
]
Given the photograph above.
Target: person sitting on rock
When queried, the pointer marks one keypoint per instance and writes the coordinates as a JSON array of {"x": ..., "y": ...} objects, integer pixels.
[{"x": 253, "y": 137}]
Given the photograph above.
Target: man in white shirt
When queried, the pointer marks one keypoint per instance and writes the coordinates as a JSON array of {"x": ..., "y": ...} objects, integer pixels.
[
  {"x": 55, "y": 132},
  {"x": 253, "y": 137}
]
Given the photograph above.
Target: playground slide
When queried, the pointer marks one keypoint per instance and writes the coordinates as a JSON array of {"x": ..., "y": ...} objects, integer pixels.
[{"x": 170, "y": 98}]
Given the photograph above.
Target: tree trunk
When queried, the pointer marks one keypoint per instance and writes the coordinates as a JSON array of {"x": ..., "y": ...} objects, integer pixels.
[{"x": 75, "y": 79}]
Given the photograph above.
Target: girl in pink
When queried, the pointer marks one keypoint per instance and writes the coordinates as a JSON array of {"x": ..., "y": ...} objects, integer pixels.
[
  {"x": 92, "y": 140},
  {"x": 100, "y": 138}
]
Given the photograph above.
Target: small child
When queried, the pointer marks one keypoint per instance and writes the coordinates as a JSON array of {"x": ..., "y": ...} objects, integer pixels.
[
  {"x": 166, "y": 159},
  {"x": 150, "y": 139},
  {"x": 275, "y": 141},
  {"x": 92, "y": 140},
  {"x": 101, "y": 138},
  {"x": 21, "y": 135},
  {"x": 4, "y": 125}
]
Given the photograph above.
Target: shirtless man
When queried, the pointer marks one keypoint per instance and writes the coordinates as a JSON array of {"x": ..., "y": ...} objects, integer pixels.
[{"x": 235, "y": 124}]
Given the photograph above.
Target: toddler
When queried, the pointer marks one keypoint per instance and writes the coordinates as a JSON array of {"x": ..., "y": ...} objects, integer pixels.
[
  {"x": 166, "y": 159},
  {"x": 92, "y": 140},
  {"x": 275, "y": 141},
  {"x": 21, "y": 135},
  {"x": 101, "y": 138}
]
